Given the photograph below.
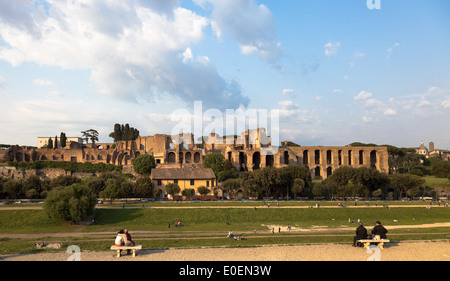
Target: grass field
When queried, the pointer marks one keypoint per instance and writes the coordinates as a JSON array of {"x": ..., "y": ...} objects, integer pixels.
[{"x": 207, "y": 226}]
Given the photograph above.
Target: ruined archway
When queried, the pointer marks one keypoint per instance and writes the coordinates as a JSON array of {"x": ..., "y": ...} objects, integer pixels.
[
  {"x": 305, "y": 157},
  {"x": 197, "y": 157},
  {"x": 269, "y": 160},
  {"x": 286, "y": 157},
  {"x": 171, "y": 157},
  {"x": 317, "y": 172},
  {"x": 188, "y": 157},
  {"x": 256, "y": 160},
  {"x": 317, "y": 157},
  {"x": 373, "y": 158}
]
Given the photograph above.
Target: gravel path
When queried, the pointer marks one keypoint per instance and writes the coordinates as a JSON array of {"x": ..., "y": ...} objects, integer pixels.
[{"x": 404, "y": 251}]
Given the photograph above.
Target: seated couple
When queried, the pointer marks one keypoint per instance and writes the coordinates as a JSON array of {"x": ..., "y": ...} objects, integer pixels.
[
  {"x": 124, "y": 239},
  {"x": 361, "y": 233}
]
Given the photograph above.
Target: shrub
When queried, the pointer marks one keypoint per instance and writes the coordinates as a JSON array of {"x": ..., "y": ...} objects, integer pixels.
[{"x": 70, "y": 203}]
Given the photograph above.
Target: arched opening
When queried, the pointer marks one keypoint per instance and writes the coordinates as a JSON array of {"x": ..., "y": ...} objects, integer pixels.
[
  {"x": 286, "y": 157},
  {"x": 361, "y": 157},
  {"x": 305, "y": 157},
  {"x": 317, "y": 157},
  {"x": 329, "y": 157},
  {"x": 188, "y": 157},
  {"x": 329, "y": 171},
  {"x": 350, "y": 157},
  {"x": 373, "y": 159},
  {"x": 256, "y": 160},
  {"x": 171, "y": 157},
  {"x": 196, "y": 157},
  {"x": 242, "y": 161},
  {"x": 317, "y": 172},
  {"x": 269, "y": 160}
]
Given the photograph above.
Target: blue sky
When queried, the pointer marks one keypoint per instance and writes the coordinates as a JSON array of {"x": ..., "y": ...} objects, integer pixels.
[{"x": 337, "y": 71}]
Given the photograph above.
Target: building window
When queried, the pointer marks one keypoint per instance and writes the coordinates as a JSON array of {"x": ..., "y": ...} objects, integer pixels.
[
  {"x": 159, "y": 182},
  {"x": 207, "y": 183},
  {"x": 212, "y": 183},
  {"x": 192, "y": 182},
  {"x": 175, "y": 181}
]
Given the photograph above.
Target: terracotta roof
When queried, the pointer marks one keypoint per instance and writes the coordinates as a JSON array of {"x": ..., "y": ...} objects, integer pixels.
[{"x": 183, "y": 173}]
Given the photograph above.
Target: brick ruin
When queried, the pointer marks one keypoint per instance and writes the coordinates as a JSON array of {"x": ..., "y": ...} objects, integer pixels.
[{"x": 250, "y": 151}]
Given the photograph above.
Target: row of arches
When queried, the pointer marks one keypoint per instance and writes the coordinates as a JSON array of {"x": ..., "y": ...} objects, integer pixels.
[
  {"x": 349, "y": 157},
  {"x": 184, "y": 157}
]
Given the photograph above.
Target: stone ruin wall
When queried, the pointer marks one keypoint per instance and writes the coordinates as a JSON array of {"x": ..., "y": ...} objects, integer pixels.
[{"x": 246, "y": 152}]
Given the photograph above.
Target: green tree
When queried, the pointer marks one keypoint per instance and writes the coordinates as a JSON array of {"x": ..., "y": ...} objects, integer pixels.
[
  {"x": 90, "y": 134},
  {"x": 144, "y": 187},
  {"x": 50, "y": 143},
  {"x": 267, "y": 177},
  {"x": 231, "y": 186},
  {"x": 298, "y": 187},
  {"x": 32, "y": 183},
  {"x": 405, "y": 182},
  {"x": 70, "y": 203},
  {"x": 63, "y": 139},
  {"x": 215, "y": 161},
  {"x": 112, "y": 190},
  {"x": 321, "y": 190},
  {"x": 202, "y": 190},
  {"x": 124, "y": 132},
  {"x": 370, "y": 179},
  {"x": 172, "y": 189},
  {"x": 143, "y": 164},
  {"x": 188, "y": 192},
  {"x": 95, "y": 185},
  {"x": 441, "y": 169},
  {"x": 250, "y": 186},
  {"x": 13, "y": 188}
]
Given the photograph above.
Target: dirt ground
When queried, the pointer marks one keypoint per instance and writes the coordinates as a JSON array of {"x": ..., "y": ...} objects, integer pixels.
[{"x": 404, "y": 251}]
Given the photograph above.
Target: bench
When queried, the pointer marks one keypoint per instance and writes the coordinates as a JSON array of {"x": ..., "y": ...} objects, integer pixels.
[
  {"x": 367, "y": 242},
  {"x": 120, "y": 248}
]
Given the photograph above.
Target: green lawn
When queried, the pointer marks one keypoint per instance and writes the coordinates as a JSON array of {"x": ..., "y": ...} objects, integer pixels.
[
  {"x": 436, "y": 182},
  {"x": 207, "y": 227}
]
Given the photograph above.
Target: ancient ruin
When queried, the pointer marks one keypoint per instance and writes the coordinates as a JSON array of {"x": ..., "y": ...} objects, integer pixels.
[{"x": 247, "y": 152}]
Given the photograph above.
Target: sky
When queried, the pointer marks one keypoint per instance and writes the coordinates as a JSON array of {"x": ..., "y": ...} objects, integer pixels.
[{"x": 334, "y": 72}]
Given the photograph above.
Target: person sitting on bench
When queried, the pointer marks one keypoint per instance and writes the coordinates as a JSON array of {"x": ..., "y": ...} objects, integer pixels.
[
  {"x": 361, "y": 233},
  {"x": 379, "y": 230}
]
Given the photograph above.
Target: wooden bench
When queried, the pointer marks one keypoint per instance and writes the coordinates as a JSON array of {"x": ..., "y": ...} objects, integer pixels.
[
  {"x": 367, "y": 242},
  {"x": 120, "y": 248}
]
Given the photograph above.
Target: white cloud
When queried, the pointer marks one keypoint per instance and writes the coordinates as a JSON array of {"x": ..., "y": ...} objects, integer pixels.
[
  {"x": 43, "y": 82},
  {"x": 359, "y": 55},
  {"x": 331, "y": 48},
  {"x": 338, "y": 91},
  {"x": 367, "y": 119},
  {"x": 446, "y": 103},
  {"x": 187, "y": 55},
  {"x": 134, "y": 50},
  {"x": 363, "y": 95},
  {"x": 390, "y": 111},
  {"x": 291, "y": 112},
  {"x": 391, "y": 49},
  {"x": 287, "y": 91},
  {"x": 253, "y": 31}
]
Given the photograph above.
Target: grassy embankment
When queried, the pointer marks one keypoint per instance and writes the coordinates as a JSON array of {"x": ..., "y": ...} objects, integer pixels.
[{"x": 209, "y": 226}]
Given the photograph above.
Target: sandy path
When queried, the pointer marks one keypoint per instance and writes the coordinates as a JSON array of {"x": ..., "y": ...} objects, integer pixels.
[{"x": 404, "y": 251}]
